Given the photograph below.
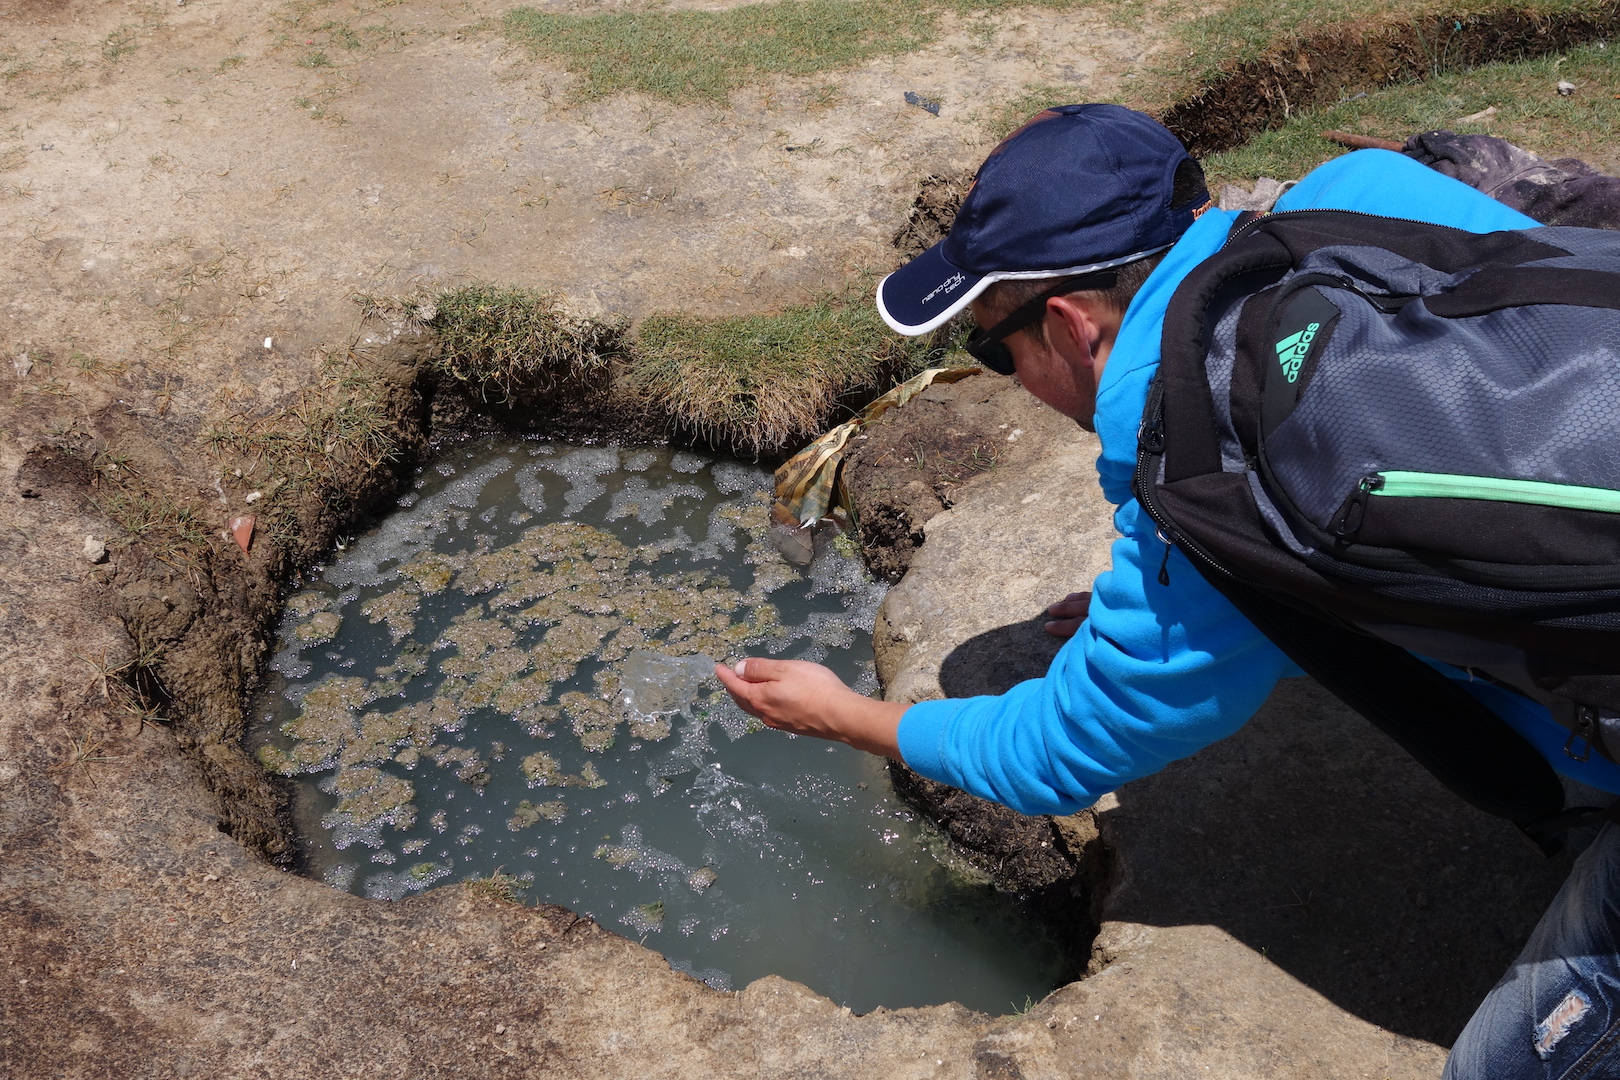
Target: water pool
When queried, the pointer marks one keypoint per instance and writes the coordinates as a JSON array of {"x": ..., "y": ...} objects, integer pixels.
[{"x": 511, "y": 675}]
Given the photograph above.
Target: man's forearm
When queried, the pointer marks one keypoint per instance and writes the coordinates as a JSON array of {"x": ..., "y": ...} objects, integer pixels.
[
  {"x": 808, "y": 699},
  {"x": 872, "y": 725}
]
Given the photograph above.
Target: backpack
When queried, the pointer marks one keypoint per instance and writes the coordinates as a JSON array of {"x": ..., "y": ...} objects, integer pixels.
[{"x": 1384, "y": 440}]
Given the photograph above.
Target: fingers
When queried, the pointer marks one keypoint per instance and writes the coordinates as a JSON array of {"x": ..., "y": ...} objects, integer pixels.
[
  {"x": 1064, "y": 628},
  {"x": 729, "y": 678},
  {"x": 756, "y": 669},
  {"x": 1075, "y": 604},
  {"x": 741, "y": 690}
]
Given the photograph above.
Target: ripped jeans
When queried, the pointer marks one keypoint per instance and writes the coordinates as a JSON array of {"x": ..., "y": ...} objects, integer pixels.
[{"x": 1556, "y": 1013}]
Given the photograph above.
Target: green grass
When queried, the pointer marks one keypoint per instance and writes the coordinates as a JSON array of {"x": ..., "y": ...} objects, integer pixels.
[
  {"x": 497, "y": 886},
  {"x": 694, "y": 56},
  {"x": 685, "y": 56},
  {"x": 1529, "y": 112},
  {"x": 764, "y": 383},
  {"x": 509, "y": 338},
  {"x": 170, "y": 528}
]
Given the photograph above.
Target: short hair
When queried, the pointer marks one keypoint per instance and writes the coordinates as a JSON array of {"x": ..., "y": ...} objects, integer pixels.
[{"x": 1007, "y": 296}]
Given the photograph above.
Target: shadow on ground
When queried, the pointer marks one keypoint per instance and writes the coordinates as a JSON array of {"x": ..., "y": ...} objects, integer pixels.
[{"x": 1314, "y": 840}]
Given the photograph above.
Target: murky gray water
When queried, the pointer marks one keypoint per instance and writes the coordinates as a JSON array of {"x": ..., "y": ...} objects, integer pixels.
[{"x": 512, "y": 674}]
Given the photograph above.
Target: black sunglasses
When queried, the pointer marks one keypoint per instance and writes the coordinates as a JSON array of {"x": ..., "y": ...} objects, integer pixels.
[{"x": 989, "y": 347}]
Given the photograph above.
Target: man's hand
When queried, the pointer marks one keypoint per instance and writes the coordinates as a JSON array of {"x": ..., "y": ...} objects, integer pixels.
[
  {"x": 808, "y": 699},
  {"x": 1068, "y": 613}
]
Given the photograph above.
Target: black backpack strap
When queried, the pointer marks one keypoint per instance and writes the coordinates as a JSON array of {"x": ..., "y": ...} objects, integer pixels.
[{"x": 1467, "y": 747}]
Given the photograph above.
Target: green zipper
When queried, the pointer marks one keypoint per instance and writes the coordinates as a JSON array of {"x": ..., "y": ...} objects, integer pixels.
[{"x": 1422, "y": 485}]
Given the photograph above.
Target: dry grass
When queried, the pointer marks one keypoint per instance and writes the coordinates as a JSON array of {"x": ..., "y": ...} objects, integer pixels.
[
  {"x": 336, "y": 433},
  {"x": 510, "y": 339},
  {"x": 166, "y": 526},
  {"x": 763, "y": 383}
]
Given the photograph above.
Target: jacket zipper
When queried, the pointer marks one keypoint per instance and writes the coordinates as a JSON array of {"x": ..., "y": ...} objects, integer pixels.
[
  {"x": 1248, "y": 227},
  {"x": 1149, "y": 445},
  {"x": 1584, "y": 729}
]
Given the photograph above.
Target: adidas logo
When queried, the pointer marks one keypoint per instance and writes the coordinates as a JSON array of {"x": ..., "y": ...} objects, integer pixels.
[{"x": 1292, "y": 350}]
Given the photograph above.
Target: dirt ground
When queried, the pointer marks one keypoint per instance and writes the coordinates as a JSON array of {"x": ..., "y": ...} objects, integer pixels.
[
  {"x": 170, "y": 208},
  {"x": 187, "y": 213}
]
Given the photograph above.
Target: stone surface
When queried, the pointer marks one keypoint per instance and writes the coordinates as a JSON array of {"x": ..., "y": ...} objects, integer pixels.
[
  {"x": 968, "y": 614},
  {"x": 1298, "y": 900}
]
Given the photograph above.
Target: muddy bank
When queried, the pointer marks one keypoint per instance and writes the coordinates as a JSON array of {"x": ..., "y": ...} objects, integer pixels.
[
  {"x": 905, "y": 468},
  {"x": 1062, "y": 864},
  {"x": 1325, "y": 67}
]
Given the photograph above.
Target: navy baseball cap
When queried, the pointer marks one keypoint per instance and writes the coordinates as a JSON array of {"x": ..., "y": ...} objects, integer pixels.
[{"x": 1078, "y": 188}]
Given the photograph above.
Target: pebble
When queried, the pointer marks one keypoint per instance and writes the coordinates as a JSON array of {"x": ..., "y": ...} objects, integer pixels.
[
  {"x": 242, "y": 530},
  {"x": 95, "y": 550}
]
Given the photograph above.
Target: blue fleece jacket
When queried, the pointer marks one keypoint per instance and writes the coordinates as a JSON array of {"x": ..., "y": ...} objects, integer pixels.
[{"x": 1157, "y": 672}]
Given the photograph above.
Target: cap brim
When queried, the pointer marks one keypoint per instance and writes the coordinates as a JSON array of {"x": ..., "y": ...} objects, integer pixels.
[
  {"x": 926, "y": 293},
  {"x": 929, "y": 290}
]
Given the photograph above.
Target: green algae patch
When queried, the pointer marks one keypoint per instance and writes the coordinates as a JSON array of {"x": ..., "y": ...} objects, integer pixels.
[
  {"x": 431, "y": 574},
  {"x": 528, "y": 813},
  {"x": 318, "y": 629},
  {"x": 593, "y": 720},
  {"x": 300, "y": 605},
  {"x": 396, "y": 609},
  {"x": 617, "y": 855},
  {"x": 367, "y": 795}
]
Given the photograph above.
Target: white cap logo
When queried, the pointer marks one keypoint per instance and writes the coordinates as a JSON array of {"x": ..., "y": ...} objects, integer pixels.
[{"x": 948, "y": 285}]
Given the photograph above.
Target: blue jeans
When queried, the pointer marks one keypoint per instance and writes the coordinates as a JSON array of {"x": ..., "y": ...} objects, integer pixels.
[{"x": 1556, "y": 1013}]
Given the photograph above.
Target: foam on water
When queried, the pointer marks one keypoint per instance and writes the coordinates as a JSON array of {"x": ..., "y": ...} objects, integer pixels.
[{"x": 514, "y": 672}]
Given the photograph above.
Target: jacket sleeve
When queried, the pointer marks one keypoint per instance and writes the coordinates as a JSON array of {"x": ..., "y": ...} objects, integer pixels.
[{"x": 1155, "y": 673}]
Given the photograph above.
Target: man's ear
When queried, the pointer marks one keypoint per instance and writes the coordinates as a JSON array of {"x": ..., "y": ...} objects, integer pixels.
[{"x": 1075, "y": 331}]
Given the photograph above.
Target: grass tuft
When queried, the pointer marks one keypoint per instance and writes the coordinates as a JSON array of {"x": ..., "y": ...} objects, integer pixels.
[
  {"x": 168, "y": 527},
  {"x": 764, "y": 382},
  {"x": 510, "y": 338},
  {"x": 498, "y": 886}
]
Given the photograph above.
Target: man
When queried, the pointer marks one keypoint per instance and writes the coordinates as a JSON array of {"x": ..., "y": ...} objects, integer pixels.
[{"x": 1067, "y": 250}]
